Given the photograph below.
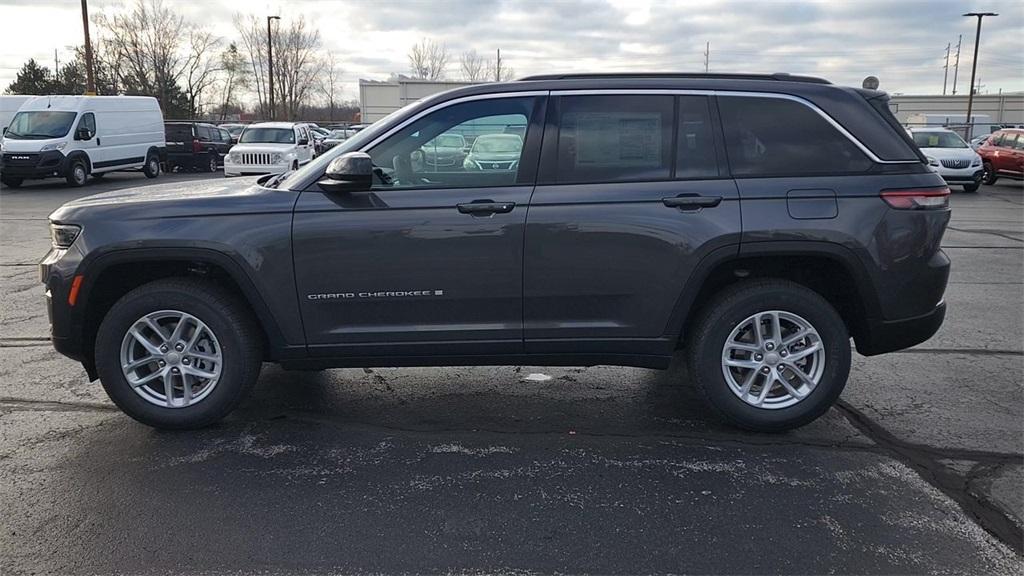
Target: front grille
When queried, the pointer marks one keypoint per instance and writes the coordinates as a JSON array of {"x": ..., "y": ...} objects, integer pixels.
[
  {"x": 255, "y": 159},
  {"x": 496, "y": 165},
  {"x": 956, "y": 164},
  {"x": 21, "y": 159}
]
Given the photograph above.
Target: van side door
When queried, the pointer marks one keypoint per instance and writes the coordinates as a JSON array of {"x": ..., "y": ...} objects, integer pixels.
[{"x": 632, "y": 193}]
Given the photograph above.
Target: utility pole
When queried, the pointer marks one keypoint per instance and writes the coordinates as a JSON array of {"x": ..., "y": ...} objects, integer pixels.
[
  {"x": 945, "y": 71},
  {"x": 270, "y": 63},
  {"x": 956, "y": 65},
  {"x": 90, "y": 78},
  {"x": 497, "y": 67},
  {"x": 56, "y": 66},
  {"x": 707, "y": 54},
  {"x": 974, "y": 68}
]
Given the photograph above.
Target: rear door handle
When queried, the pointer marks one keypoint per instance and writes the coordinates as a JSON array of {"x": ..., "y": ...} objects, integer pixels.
[
  {"x": 485, "y": 207},
  {"x": 692, "y": 202}
]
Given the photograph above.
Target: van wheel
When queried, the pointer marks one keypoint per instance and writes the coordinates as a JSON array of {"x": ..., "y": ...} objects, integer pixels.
[
  {"x": 989, "y": 175},
  {"x": 12, "y": 182},
  {"x": 211, "y": 164},
  {"x": 971, "y": 187},
  {"x": 769, "y": 355},
  {"x": 295, "y": 165},
  {"x": 152, "y": 167},
  {"x": 178, "y": 353},
  {"x": 77, "y": 173}
]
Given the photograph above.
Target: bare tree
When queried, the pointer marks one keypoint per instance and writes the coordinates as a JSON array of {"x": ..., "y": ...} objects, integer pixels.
[
  {"x": 200, "y": 69},
  {"x": 428, "y": 59},
  {"x": 233, "y": 78},
  {"x": 297, "y": 62},
  {"x": 472, "y": 66},
  {"x": 330, "y": 82}
]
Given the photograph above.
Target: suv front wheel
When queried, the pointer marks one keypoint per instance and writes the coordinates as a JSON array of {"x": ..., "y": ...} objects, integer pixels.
[
  {"x": 178, "y": 353},
  {"x": 769, "y": 355}
]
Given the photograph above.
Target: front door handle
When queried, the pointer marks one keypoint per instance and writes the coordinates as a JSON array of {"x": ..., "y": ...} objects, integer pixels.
[
  {"x": 692, "y": 202},
  {"x": 485, "y": 207},
  {"x": 97, "y": 140}
]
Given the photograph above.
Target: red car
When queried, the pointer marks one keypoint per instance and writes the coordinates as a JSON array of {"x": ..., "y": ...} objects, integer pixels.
[{"x": 1002, "y": 155}]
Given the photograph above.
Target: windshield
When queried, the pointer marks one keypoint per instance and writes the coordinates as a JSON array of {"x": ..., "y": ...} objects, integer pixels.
[
  {"x": 938, "y": 140},
  {"x": 40, "y": 125},
  {"x": 449, "y": 141},
  {"x": 234, "y": 130},
  {"x": 267, "y": 136},
  {"x": 497, "y": 144}
]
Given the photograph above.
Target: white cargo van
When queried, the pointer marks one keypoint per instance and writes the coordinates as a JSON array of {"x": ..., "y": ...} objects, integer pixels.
[
  {"x": 75, "y": 136},
  {"x": 8, "y": 107}
]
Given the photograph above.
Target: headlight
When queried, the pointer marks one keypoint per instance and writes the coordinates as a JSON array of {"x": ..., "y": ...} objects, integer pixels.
[
  {"x": 54, "y": 146},
  {"x": 276, "y": 158},
  {"x": 233, "y": 157},
  {"x": 468, "y": 164},
  {"x": 932, "y": 161},
  {"x": 63, "y": 235},
  {"x": 976, "y": 161}
]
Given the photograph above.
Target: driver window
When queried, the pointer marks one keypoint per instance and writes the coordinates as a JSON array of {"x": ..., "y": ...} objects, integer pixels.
[
  {"x": 473, "y": 144},
  {"x": 88, "y": 123}
]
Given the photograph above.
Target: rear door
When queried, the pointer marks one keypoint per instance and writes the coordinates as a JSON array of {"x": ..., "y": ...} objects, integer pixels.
[
  {"x": 427, "y": 261},
  {"x": 631, "y": 195},
  {"x": 179, "y": 138}
]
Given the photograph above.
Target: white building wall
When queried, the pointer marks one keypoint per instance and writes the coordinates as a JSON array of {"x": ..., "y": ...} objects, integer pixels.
[
  {"x": 378, "y": 99},
  {"x": 1001, "y": 108}
]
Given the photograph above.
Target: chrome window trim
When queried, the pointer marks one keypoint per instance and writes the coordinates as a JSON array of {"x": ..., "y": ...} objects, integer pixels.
[{"x": 737, "y": 93}]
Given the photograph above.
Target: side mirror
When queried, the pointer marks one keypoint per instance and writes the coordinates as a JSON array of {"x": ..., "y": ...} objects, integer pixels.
[{"x": 350, "y": 172}]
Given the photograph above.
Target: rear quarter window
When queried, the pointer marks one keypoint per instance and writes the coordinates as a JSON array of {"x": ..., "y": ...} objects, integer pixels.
[
  {"x": 778, "y": 137},
  {"x": 178, "y": 132}
]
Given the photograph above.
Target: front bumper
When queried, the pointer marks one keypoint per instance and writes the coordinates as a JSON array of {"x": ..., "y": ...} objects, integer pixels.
[
  {"x": 970, "y": 175},
  {"x": 881, "y": 336},
  {"x": 232, "y": 169},
  {"x": 33, "y": 165}
]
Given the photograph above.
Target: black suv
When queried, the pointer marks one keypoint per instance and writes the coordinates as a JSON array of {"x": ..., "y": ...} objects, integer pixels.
[
  {"x": 196, "y": 145},
  {"x": 755, "y": 223}
]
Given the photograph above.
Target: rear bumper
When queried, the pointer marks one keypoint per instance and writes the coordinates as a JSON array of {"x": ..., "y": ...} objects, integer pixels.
[{"x": 881, "y": 336}]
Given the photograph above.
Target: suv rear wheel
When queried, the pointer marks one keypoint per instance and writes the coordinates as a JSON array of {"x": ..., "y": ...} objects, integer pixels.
[
  {"x": 211, "y": 163},
  {"x": 769, "y": 355},
  {"x": 178, "y": 353}
]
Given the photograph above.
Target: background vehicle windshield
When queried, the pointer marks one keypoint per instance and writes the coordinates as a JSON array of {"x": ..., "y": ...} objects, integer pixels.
[
  {"x": 234, "y": 130},
  {"x": 497, "y": 144},
  {"x": 267, "y": 136},
  {"x": 449, "y": 141},
  {"x": 938, "y": 140},
  {"x": 40, "y": 125}
]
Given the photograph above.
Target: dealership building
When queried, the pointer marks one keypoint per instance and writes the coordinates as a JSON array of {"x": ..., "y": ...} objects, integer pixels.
[{"x": 377, "y": 99}]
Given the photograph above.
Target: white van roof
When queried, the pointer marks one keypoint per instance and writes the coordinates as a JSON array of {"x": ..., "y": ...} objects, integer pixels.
[{"x": 93, "y": 103}]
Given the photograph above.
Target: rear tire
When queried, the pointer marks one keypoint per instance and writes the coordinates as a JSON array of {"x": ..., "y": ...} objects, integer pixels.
[
  {"x": 722, "y": 321},
  {"x": 211, "y": 163},
  {"x": 971, "y": 187},
  {"x": 78, "y": 173},
  {"x": 152, "y": 167},
  {"x": 12, "y": 182},
  {"x": 989, "y": 176},
  {"x": 232, "y": 335}
]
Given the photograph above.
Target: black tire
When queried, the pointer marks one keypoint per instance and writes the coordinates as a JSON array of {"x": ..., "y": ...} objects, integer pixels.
[
  {"x": 971, "y": 187},
  {"x": 211, "y": 163},
  {"x": 152, "y": 166},
  {"x": 729, "y": 310},
  {"x": 229, "y": 319},
  {"x": 78, "y": 173},
  {"x": 989, "y": 176},
  {"x": 295, "y": 165},
  {"x": 12, "y": 181}
]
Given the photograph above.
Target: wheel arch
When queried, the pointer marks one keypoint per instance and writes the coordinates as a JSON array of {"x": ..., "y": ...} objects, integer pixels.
[{"x": 829, "y": 269}]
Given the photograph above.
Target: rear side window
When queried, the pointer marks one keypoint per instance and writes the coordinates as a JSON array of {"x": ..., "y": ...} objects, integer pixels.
[
  {"x": 615, "y": 138},
  {"x": 1017, "y": 144},
  {"x": 178, "y": 132},
  {"x": 203, "y": 133},
  {"x": 777, "y": 137}
]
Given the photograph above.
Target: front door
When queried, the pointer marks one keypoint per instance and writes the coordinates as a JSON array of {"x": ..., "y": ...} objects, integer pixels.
[
  {"x": 630, "y": 196},
  {"x": 429, "y": 261}
]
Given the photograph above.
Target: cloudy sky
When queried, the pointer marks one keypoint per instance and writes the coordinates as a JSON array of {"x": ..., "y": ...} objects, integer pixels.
[{"x": 903, "y": 42}]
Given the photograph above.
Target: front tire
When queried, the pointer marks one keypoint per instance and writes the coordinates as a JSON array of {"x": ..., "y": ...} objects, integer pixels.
[
  {"x": 989, "y": 175},
  {"x": 784, "y": 375},
  {"x": 78, "y": 173},
  {"x": 178, "y": 353},
  {"x": 152, "y": 167}
]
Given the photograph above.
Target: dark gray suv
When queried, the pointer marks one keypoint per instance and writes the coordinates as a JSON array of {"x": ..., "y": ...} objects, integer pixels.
[{"x": 754, "y": 222}]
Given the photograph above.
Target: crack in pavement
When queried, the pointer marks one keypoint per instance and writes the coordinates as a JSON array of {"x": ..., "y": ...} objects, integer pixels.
[
  {"x": 986, "y": 232},
  {"x": 925, "y": 461},
  {"x": 25, "y": 405},
  {"x": 969, "y": 351}
]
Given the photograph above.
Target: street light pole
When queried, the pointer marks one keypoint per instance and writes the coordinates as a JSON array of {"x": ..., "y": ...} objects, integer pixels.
[
  {"x": 90, "y": 80},
  {"x": 974, "y": 69},
  {"x": 270, "y": 63}
]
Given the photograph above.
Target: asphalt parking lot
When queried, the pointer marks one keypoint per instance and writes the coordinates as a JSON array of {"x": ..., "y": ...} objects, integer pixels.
[{"x": 919, "y": 469}]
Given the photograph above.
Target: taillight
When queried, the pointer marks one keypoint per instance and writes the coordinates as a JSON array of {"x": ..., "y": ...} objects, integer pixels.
[
  {"x": 917, "y": 199},
  {"x": 197, "y": 146}
]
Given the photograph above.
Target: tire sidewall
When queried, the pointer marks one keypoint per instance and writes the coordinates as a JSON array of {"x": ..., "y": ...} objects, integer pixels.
[
  {"x": 77, "y": 167},
  {"x": 152, "y": 167},
  {"x": 810, "y": 307},
  {"x": 989, "y": 176},
  {"x": 221, "y": 400}
]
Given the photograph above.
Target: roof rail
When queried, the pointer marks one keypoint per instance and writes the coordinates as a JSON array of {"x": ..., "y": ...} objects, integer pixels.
[{"x": 778, "y": 76}]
